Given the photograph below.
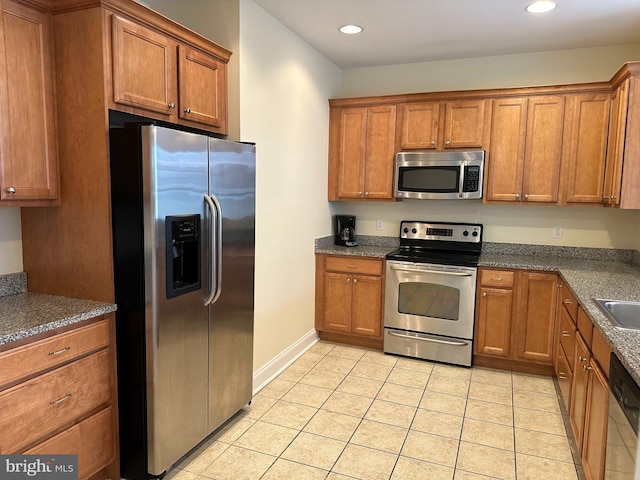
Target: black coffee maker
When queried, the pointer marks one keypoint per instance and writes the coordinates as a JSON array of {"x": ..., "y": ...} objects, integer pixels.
[{"x": 346, "y": 230}]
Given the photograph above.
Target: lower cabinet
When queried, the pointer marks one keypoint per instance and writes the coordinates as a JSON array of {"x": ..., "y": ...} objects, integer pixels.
[
  {"x": 581, "y": 361},
  {"x": 57, "y": 395},
  {"x": 349, "y": 299},
  {"x": 515, "y": 319}
]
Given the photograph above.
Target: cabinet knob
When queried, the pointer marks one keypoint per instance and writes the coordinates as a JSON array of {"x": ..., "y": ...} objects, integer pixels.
[
  {"x": 359, "y": 194},
  {"x": 586, "y": 368},
  {"x": 355, "y": 280},
  {"x": 349, "y": 279},
  {"x": 567, "y": 301},
  {"x": 172, "y": 105},
  {"x": 605, "y": 198},
  {"x": 517, "y": 196},
  {"x": 366, "y": 194},
  {"x": 11, "y": 190},
  {"x": 526, "y": 196},
  {"x": 484, "y": 294},
  {"x": 433, "y": 142},
  {"x": 447, "y": 142},
  {"x": 187, "y": 110},
  {"x": 582, "y": 359},
  {"x": 613, "y": 198}
]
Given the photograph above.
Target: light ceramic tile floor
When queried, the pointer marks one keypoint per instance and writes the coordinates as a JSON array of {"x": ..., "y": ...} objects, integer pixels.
[{"x": 342, "y": 412}]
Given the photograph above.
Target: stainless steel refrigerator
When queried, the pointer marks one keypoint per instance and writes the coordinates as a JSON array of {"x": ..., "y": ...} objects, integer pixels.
[{"x": 183, "y": 213}]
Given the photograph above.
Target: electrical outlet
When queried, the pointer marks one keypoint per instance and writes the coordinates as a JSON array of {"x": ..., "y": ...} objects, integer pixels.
[
  {"x": 379, "y": 224},
  {"x": 557, "y": 231}
]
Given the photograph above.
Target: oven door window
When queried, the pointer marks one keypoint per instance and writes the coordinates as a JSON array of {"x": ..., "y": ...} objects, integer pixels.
[
  {"x": 438, "y": 179},
  {"x": 429, "y": 300}
]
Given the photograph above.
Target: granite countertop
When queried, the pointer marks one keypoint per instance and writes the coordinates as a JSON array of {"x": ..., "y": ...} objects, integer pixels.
[
  {"x": 24, "y": 314},
  {"x": 589, "y": 272}
]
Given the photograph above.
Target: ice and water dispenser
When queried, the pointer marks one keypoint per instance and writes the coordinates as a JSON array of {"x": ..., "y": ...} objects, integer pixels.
[{"x": 183, "y": 254}]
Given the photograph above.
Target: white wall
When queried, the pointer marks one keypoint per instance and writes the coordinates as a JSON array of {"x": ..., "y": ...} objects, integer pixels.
[
  {"x": 10, "y": 240},
  {"x": 504, "y": 71},
  {"x": 284, "y": 87},
  {"x": 582, "y": 226}
]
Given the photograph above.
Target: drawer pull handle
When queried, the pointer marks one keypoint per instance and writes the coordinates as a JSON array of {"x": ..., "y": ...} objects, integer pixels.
[
  {"x": 497, "y": 279},
  {"x": 586, "y": 368},
  {"x": 60, "y": 400},
  {"x": 564, "y": 333},
  {"x": 58, "y": 352},
  {"x": 562, "y": 376},
  {"x": 582, "y": 359},
  {"x": 567, "y": 301}
]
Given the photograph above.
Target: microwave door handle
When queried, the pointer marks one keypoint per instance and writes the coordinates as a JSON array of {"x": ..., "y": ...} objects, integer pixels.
[
  {"x": 437, "y": 272},
  {"x": 461, "y": 184}
]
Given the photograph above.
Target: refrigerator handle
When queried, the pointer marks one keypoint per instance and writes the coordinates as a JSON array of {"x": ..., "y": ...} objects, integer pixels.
[{"x": 215, "y": 248}]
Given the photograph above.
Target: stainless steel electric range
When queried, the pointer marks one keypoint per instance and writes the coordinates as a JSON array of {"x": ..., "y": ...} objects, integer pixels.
[{"x": 430, "y": 291}]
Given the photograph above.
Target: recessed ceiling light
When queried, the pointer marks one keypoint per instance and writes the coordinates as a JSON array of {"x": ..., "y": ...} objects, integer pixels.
[
  {"x": 350, "y": 29},
  {"x": 541, "y": 6}
]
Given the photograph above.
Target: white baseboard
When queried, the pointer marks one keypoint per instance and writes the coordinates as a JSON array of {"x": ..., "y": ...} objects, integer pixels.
[{"x": 274, "y": 367}]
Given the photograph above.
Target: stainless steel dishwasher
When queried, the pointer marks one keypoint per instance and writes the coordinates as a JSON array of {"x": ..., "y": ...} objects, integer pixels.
[{"x": 622, "y": 436}]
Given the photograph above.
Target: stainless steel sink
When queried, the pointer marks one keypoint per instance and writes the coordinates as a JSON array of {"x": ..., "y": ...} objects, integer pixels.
[{"x": 622, "y": 314}]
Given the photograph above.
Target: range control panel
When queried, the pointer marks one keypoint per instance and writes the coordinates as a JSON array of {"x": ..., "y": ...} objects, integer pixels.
[{"x": 438, "y": 231}]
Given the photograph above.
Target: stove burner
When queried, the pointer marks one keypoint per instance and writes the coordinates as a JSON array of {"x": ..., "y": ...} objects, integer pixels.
[{"x": 439, "y": 243}]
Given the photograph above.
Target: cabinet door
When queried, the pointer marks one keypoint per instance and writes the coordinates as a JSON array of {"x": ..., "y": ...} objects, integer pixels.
[
  {"x": 535, "y": 316},
  {"x": 579, "y": 390},
  {"x": 351, "y": 155},
  {"x": 506, "y": 152},
  {"x": 493, "y": 327},
  {"x": 367, "y": 306},
  {"x": 464, "y": 124},
  {"x": 595, "y": 427},
  {"x": 615, "y": 148},
  {"x": 419, "y": 125},
  {"x": 337, "y": 302},
  {"x": 28, "y": 162},
  {"x": 565, "y": 377},
  {"x": 586, "y": 147},
  {"x": 380, "y": 151},
  {"x": 143, "y": 68},
  {"x": 543, "y": 149},
  {"x": 203, "y": 88}
]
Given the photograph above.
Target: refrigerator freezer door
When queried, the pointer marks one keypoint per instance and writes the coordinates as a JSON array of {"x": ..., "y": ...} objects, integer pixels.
[
  {"x": 174, "y": 185},
  {"x": 232, "y": 183}
]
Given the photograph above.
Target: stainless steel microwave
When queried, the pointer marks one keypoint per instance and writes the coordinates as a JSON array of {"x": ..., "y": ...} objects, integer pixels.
[{"x": 439, "y": 175}]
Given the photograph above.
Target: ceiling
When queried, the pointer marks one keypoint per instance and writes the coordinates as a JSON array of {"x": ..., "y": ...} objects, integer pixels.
[{"x": 413, "y": 31}]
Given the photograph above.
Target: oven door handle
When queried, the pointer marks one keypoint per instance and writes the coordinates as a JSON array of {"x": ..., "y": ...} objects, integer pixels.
[
  {"x": 424, "y": 339},
  {"x": 437, "y": 272}
]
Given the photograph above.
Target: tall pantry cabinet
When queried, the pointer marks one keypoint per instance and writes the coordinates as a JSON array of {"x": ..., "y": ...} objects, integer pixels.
[{"x": 116, "y": 56}]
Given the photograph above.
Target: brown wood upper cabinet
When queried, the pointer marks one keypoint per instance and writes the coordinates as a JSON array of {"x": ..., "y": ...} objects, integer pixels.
[
  {"x": 154, "y": 75},
  {"x": 28, "y": 144},
  {"x": 585, "y": 148},
  {"x": 525, "y": 149},
  {"x": 361, "y": 153},
  {"x": 441, "y": 125}
]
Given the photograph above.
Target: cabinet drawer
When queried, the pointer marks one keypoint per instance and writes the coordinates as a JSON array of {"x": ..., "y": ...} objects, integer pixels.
[
  {"x": 91, "y": 440},
  {"x": 33, "y": 409},
  {"x": 565, "y": 377},
  {"x": 585, "y": 326},
  {"x": 496, "y": 278},
  {"x": 601, "y": 351},
  {"x": 50, "y": 352},
  {"x": 570, "y": 303},
  {"x": 567, "y": 335},
  {"x": 354, "y": 265}
]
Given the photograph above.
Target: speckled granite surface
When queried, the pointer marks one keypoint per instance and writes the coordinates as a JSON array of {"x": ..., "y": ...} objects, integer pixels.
[
  {"x": 12, "y": 283},
  {"x": 368, "y": 246},
  {"x": 25, "y": 314},
  {"x": 589, "y": 272}
]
